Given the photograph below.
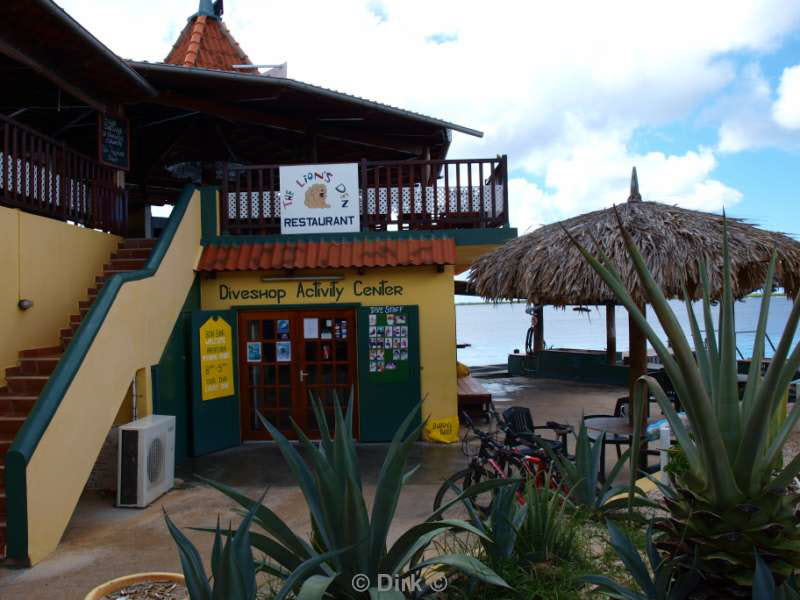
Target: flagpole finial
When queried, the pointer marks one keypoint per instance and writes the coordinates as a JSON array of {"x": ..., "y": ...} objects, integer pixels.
[{"x": 635, "y": 195}]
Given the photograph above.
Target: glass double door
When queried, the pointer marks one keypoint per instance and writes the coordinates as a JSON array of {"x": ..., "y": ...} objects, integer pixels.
[{"x": 285, "y": 358}]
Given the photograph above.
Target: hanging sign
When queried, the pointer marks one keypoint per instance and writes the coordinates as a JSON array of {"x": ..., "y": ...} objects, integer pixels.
[
  {"x": 320, "y": 199},
  {"x": 113, "y": 141},
  {"x": 216, "y": 359}
]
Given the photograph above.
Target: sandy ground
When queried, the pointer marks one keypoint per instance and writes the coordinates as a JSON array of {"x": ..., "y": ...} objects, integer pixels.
[{"x": 103, "y": 542}]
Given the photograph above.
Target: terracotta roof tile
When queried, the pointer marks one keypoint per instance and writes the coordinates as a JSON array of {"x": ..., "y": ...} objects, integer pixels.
[
  {"x": 339, "y": 254},
  {"x": 206, "y": 43}
]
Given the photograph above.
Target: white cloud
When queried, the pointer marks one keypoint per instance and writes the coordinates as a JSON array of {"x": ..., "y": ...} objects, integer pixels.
[
  {"x": 746, "y": 115},
  {"x": 786, "y": 110},
  {"x": 590, "y": 179},
  {"x": 561, "y": 87}
]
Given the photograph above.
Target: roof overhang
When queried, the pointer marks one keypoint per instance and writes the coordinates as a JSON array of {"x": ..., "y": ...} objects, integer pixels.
[
  {"x": 168, "y": 78},
  {"x": 40, "y": 35},
  {"x": 335, "y": 254}
]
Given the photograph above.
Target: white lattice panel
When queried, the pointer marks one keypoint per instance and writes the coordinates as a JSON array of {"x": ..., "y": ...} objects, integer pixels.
[{"x": 385, "y": 201}]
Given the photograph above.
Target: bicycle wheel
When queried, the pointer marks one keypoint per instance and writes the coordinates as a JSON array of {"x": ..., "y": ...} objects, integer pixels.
[{"x": 453, "y": 486}]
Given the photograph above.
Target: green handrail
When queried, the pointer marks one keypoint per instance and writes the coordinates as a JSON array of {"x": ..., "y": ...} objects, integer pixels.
[{"x": 46, "y": 406}]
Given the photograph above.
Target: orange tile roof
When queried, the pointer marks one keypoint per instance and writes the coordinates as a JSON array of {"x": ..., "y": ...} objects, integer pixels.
[
  {"x": 339, "y": 254},
  {"x": 206, "y": 43}
]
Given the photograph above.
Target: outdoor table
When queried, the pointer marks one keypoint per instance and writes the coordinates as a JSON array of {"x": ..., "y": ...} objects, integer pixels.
[{"x": 615, "y": 425}]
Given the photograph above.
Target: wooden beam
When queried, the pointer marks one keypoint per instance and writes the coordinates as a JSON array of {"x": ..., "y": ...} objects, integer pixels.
[
  {"x": 71, "y": 89},
  {"x": 229, "y": 112},
  {"x": 611, "y": 333},
  {"x": 233, "y": 113}
]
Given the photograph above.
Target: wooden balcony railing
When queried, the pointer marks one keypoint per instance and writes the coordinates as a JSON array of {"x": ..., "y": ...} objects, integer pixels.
[
  {"x": 41, "y": 175},
  {"x": 394, "y": 196}
]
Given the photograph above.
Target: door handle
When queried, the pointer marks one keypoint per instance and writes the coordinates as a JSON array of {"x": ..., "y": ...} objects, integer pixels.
[{"x": 303, "y": 375}]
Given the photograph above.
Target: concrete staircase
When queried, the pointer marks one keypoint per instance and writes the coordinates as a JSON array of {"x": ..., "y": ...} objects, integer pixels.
[{"x": 26, "y": 381}]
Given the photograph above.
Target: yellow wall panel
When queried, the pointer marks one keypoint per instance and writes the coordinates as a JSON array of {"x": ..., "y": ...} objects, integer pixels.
[
  {"x": 423, "y": 286},
  {"x": 51, "y": 263}
]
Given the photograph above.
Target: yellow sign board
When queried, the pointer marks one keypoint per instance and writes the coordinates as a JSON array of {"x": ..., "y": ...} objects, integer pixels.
[{"x": 216, "y": 359}]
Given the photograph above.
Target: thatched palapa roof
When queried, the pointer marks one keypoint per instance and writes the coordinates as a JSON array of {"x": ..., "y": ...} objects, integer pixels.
[{"x": 545, "y": 267}]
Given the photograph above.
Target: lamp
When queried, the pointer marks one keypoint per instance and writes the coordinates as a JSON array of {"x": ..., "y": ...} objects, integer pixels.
[
  {"x": 303, "y": 278},
  {"x": 25, "y": 304}
]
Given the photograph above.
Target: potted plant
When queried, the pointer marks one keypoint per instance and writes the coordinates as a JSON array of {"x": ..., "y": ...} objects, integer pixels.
[{"x": 139, "y": 579}]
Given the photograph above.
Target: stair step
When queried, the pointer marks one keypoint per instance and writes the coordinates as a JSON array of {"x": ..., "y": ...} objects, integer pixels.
[
  {"x": 20, "y": 405},
  {"x": 85, "y": 305},
  {"x": 137, "y": 243},
  {"x": 5, "y": 444},
  {"x": 75, "y": 319},
  {"x": 10, "y": 423},
  {"x": 125, "y": 264},
  {"x": 27, "y": 385},
  {"x": 131, "y": 253},
  {"x": 48, "y": 351},
  {"x": 38, "y": 365}
]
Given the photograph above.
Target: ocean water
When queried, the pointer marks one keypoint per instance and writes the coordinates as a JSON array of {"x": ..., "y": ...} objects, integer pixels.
[{"x": 494, "y": 331}]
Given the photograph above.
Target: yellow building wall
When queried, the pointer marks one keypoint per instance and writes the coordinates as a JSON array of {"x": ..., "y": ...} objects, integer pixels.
[
  {"x": 51, "y": 263},
  {"x": 423, "y": 286},
  {"x": 131, "y": 338}
]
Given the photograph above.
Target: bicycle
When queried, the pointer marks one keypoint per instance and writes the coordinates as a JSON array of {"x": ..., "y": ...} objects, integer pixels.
[{"x": 494, "y": 460}]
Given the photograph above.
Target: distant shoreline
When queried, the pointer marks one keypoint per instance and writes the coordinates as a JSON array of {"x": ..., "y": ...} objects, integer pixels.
[{"x": 753, "y": 295}]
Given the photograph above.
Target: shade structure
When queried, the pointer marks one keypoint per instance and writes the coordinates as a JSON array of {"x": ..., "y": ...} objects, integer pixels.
[{"x": 545, "y": 267}]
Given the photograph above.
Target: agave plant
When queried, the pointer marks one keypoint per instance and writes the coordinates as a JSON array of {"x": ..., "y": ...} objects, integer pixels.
[
  {"x": 734, "y": 494},
  {"x": 662, "y": 581},
  {"x": 547, "y": 532},
  {"x": 764, "y": 587},
  {"x": 501, "y": 525},
  {"x": 581, "y": 477},
  {"x": 350, "y": 556},
  {"x": 232, "y": 564}
]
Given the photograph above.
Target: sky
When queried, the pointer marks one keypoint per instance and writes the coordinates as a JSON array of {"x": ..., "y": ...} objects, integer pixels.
[{"x": 702, "y": 97}]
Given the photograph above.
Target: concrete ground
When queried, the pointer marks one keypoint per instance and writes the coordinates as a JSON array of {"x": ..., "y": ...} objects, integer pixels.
[{"x": 103, "y": 542}]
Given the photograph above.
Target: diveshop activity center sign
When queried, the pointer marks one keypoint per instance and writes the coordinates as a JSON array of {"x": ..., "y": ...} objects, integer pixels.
[{"x": 320, "y": 199}]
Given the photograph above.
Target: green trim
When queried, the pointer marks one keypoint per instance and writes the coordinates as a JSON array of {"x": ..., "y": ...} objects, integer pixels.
[
  {"x": 260, "y": 307},
  {"x": 462, "y": 237},
  {"x": 480, "y": 237},
  {"x": 208, "y": 212},
  {"x": 29, "y": 436}
]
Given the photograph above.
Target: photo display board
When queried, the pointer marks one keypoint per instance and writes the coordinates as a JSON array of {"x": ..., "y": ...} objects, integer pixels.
[
  {"x": 387, "y": 395},
  {"x": 389, "y": 341}
]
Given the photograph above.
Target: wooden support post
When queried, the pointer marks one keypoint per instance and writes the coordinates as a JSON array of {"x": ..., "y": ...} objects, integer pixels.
[
  {"x": 611, "y": 333},
  {"x": 638, "y": 367},
  {"x": 538, "y": 329},
  {"x": 637, "y": 358}
]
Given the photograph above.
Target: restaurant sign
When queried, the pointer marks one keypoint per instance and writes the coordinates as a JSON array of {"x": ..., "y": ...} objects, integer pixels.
[{"x": 320, "y": 199}]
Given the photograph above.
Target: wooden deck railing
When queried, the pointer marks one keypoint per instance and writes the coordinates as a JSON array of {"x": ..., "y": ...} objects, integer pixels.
[
  {"x": 41, "y": 175},
  {"x": 394, "y": 196}
]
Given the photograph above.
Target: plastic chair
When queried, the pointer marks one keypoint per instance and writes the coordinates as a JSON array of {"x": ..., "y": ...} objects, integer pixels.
[{"x": 522, "y": 431}]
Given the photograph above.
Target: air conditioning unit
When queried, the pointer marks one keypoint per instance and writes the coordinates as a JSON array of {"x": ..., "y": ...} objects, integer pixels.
[{"x": 145, "y": 460}]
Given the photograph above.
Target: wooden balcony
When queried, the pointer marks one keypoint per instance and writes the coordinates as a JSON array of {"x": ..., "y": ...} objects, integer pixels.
[
  {"x": 394, "y": 196},
  {"x": 43, "y": 176}
]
